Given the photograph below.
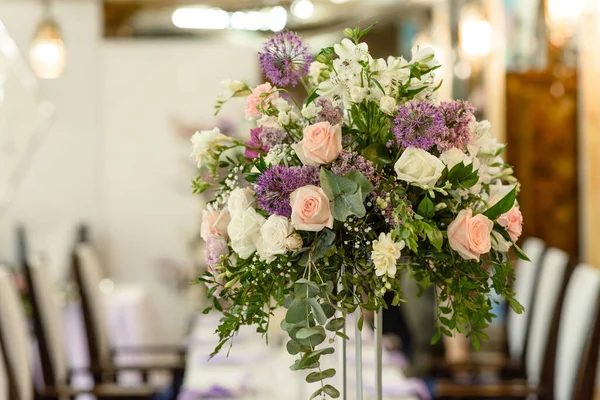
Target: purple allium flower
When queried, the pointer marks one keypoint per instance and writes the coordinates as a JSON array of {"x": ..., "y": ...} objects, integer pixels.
[
  {"x": 285, "y": 59},
  {"x": 457, "y": 115},
  {"x": 328, "y": 112},
  {"x": 419, "y": 124},
  {"x": 216, "y": 246},
  {"x": 271, "y": 136},
  {"x": 274, "y": 186},
  {"x": 349, "y": 161},
  {"x": 256, "y": 142}
]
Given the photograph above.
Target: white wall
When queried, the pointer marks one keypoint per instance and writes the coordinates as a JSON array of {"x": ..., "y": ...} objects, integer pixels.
[
  {"x": 61, "y": 185},
  {"x": 112, "y": 157}
]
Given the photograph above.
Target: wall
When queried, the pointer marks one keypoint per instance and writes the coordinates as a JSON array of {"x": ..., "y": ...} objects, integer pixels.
[
  {"x": 112, "y": 157},
  {"x": 61, "y": 185}
]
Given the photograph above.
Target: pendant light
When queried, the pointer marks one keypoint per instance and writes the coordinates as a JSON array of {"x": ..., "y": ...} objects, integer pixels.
[{"x": 47, "y": 54}]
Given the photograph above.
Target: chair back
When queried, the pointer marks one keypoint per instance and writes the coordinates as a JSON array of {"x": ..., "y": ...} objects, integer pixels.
[
  {"x": 578, "y": 336},
  {"x": 88, "y": 274},
  {"x": 16, "y": 342},
  {"x": 526, "y": 275},
  {"x": 553, "y": 278},
  {"x": 48, "y": 324}
]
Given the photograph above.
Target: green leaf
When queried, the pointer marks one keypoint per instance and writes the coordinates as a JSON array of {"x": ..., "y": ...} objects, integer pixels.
[
  {"x": 502, "y": 206},
  {"x": 436, "y": 337},
  {"x": 324, "y": 244},
  {"x": 515, "y": 305},
  {"x": 435, "y": 237},
  {"x": 293, "y": 347},
  {"x": 316, "y": 394},
  {"x": 344, "y": 195},
  {"x": 425, "y": 208},
  {"x": 366, "y": 186},
  {"x": 304, "y": 288},
  {"x": 317, "y": 311},
  {"x": 313, "y": 95},
  {"x": 360, "y": 322},
  {"x": 335, "y": 324},
  {"x": 331, "y": 391},
  {"x": 319, "y": 376},
  {"x": 520, "y": 253},
  {"x": 297, "y": 312},
  {"x": 321, "y": 352},
  {"x": 378, "y": 154},
  {"x": 285, "y": 326},
  {"x": 475, "y": 342},
  {"x": 342, "y": 335},
  {"x": 305, "y": 333}
]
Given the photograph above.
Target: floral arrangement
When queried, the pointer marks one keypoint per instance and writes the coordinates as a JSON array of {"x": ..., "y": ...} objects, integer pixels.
[{"x": 332, "y": 198}]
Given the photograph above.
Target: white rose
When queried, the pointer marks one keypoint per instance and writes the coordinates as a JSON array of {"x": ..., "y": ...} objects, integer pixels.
[
  {"x": 284, "y": 118},
  {"x": 358, "y": 93},
  {"x": 244, "y": 231},
  {"x": 419, "y": 167},
  {"x": 274, "y": 233},
  {"x": 483, "y": 144},
  {"x": 315, "y": 69},
  {"x": 499, "y": 243},
  {"x": 204, "y": 144},
  {"x": 385, "y": 253},
  {"x": 239, "y": 200},
  {"x": 294, "y": 242},
  {"x": 455, "y": 156},
  {"x": 424, "y": 55},
  {"x": 309, "y": 111},
  {"x": 281, "y": 104},
  {"x": 387, "y": 105}
]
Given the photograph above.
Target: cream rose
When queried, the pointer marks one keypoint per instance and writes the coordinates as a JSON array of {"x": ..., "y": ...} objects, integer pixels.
[
  {"x": 273, "y": 236},
  {"x": 358, "y": 93},
  {"x": 204, "y": 144},
  {"x": 239, "y": 200},
  {"x": 387, "y": 105},
  {"x": 419, "y": 167},
  {"x": 244, "y": 232},
  {"x": 214, "y": 222},
  {"x": 512, "y": 221},
  {"x": 385, "y": 253},
  {"x": 310, "y": 209},
  {"x": 321, "y": 144},
  {"x": 258, "y": 100},
  {"x": 470, "y": 235},
  {"x": 294, "y": 242}
]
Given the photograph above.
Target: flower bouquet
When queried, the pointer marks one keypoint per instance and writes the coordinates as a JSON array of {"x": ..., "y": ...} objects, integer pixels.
[{"x": 315, "y": 211}]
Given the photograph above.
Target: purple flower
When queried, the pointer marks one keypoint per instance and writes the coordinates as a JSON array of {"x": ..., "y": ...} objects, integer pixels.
[
  {"x": 285, "y": 59},
  {"x": 419, "y": 124},
  {"x": 271, "y": 136},
  {"x": 274, "y": 186},
  {"x": 457, "y": 115},
  {"x": 329, "y": 113},
  {"x": 350, "y": 161},
  {"x": 256, "y": 142},
  {"x": 216, "y": 246}
]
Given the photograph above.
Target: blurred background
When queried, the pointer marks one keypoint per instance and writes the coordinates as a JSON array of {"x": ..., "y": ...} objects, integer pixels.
[{"x": 98, "y": 100}]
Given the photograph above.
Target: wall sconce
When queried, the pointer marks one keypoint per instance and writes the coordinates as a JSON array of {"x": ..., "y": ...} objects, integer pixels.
[{"x": 47, "y": 55}]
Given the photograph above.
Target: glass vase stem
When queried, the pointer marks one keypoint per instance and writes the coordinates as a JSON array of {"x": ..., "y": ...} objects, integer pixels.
[{"x": 378, "y": 325}]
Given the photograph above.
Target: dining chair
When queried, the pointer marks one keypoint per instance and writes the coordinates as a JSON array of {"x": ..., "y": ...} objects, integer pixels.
[
  {"x": 87, "y": 272},
  {"x": 568, "y": 369},
  {"x": 16, "y": 344}
]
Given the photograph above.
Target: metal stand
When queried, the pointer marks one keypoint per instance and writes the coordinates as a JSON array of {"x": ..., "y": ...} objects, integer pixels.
[
  {"x": 378, "y": 355},
  {"x": 358, "y": 352}
]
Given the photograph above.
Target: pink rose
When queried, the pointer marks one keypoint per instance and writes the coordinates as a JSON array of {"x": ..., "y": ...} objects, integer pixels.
[
  {"x": 255, "y": 102},
  {"x": 310, "y": 209},
  {"x": 321, "y": 144},
  {"x": 216, "y": 246},
  {"x": 512, "y": 220},
  {"x": 214, "y": 223},
  {"x": 470, "y": 235}
]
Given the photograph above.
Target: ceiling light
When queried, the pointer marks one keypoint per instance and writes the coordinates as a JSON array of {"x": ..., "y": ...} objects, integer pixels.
[
  {"x": 277, "y": 18},
  {"x": 47, "y": 54},
  {"x": 303, "y": 9},
  {"x": 256, "y": 20},
  {"x": 340, "y": 1},
  {"x": 200, "y": 18},
  {"x": 239, "y": 20},
  {"x": 475, "y": 37}
]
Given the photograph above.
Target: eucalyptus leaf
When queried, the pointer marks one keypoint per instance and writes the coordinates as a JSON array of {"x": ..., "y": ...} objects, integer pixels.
[
  {"x": 319, "y": 376},
  {"x": 324, "y": 245},
  {"x": 331, "y": 391},
  {"x": 317, "y": 311},
  {"x": 297, "y": 312},
  {"x": 344, "y": 195},
  {"x": 335, "y": 324},
  {"x": 305, "y": 333},
  {"x": 293, "y": 347}
]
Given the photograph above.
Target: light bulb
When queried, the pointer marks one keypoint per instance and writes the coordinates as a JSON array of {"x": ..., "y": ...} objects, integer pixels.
[
  {"x": 303, "y": 9},
  {"x": 47, "y": 54},
  {"x": 475, "y": 37}
]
